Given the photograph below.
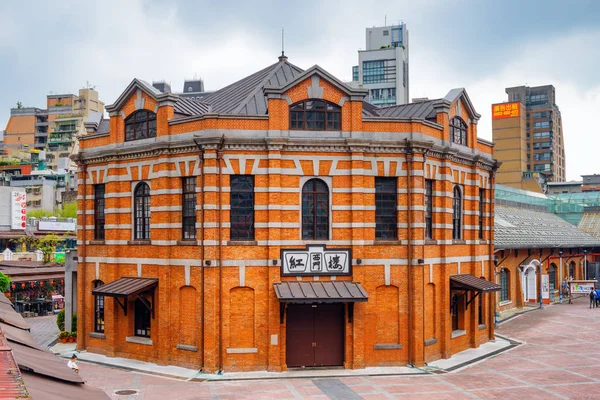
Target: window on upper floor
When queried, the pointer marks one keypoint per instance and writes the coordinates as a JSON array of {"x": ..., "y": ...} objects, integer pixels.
[
  {"x": 481, "y": 213},
  {"x": 242, "y": 207},
  {"x": 541, "y": 125},
  {"x": 458, "y": 131},
  {"x": 315, "y": 210},
  {"x": 315, "y": 115},
  {"x": 99, "y": 212},
  {"x": 188, "y": 210},
  {"x": 457, "y": 214},
  {"x": 141, "y": 225},
  {"x": 429, "y": 209},
  {"x": 386, "y": 205},
  {"x": 140, "y": 125},
  {"x": 379, "y": 71}
]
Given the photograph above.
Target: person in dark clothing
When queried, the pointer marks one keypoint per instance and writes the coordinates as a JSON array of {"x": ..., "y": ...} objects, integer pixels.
[
  {"x": 597, "y": 298},
  {"x": 592, "y": 298}
]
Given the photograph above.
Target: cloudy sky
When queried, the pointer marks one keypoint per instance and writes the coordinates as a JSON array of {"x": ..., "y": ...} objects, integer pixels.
[{"x": 482, "y": 45}]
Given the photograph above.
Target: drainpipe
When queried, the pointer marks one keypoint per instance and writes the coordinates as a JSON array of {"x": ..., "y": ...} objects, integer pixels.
[
  {"x": 492, "y": 320},
  {"x": 411, "y": 327},
  {"x": 219, "y": 185},
  {"x": 201, "y": 149}
]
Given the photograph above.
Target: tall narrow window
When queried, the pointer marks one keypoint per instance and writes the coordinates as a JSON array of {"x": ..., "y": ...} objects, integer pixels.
[
  {"x": 481, "y": 212},
  {"x": 455, "y": 310},
  {"x": 386, "y": 205},
  {"x": 315, "y": 210},
  {"x": 480, "y": 309},
  {"x": 504, "y": 285},
  {"x": 99, "y": 212},
  {"x": 552, "y": 278},
  {"x": 142, "y": 317},
  {"x": 141, "y": 228},
  {"x": 188, "y": 212},
  {"x": 98, "y": 310},
  {"x": 458, "y": 131},
  {"x": 429, "y": 209},
  {"x": 457, "y": 214},
  {"x": 140, "y": 125},
  {"x": 242, "y": 207}
]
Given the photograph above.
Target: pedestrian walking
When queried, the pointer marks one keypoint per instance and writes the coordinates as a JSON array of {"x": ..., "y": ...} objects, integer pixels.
[{"x": 592, "y": 298}]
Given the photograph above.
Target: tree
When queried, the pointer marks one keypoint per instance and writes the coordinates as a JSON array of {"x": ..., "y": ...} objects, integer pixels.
[
  {"x": 39, "y": 214},
  {"x": 69, "y": 210},
  {"x": 47, "y": 244},
  {"x": 19, "y": 104},
  {"x": 4, "y": 283}
]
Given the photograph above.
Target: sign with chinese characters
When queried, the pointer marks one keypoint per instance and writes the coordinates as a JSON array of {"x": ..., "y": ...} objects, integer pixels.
[
  {"x": 506, "y": 110},
  {"x": 316, "y": 260},
  {"x": 582, "y": 287},
  {"x": 56, "y": 226},
  {"x": 545, "y": 286},
  {"x": 18, "y": 210}
]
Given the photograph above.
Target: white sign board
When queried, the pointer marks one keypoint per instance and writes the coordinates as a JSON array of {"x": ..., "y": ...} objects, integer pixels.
[
  {"x": 316, "y": 260},
  {"x": 18, "y": 210},
  {"x": 581, "y": 288},
  {"x": 545, "y": 286},
  {"x": 56, "y": 226}
]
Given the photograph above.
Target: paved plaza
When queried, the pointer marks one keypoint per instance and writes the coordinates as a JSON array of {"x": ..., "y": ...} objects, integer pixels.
[{"x": 557, "y": 360}]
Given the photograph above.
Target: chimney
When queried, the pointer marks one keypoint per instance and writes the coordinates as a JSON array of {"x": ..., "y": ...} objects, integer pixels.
[{"x": 163, "y": 86}]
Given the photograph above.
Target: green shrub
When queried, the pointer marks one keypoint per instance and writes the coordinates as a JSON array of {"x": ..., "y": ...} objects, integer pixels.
[
  {"x": 4, "y": 283},
  {"x": 60, "y": 320}
]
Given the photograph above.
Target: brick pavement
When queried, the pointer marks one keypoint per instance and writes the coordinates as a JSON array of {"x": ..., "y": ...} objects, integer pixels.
[
  {"x": 558, "y": 360},
  {"x": 43, "y": 329}
]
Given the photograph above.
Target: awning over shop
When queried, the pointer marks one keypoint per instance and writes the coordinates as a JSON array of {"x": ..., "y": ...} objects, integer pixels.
[
  {"x": 125, "y": 287},
  {"x": 320, "y": 292},
  {"x": 470, "y": 282}
]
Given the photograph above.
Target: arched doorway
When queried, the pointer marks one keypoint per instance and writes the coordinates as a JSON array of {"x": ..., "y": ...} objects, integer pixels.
[{"x": 529, "y": 281}]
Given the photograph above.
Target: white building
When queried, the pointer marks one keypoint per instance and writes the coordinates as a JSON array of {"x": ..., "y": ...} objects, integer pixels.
[{"x": 383, "y": 66}]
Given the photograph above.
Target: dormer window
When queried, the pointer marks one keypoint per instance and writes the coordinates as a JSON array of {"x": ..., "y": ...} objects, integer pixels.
[
  {"x": 315, "y": 115},
  {"x": 140, "y": 125},
  {"x": 458, "y": 131}
]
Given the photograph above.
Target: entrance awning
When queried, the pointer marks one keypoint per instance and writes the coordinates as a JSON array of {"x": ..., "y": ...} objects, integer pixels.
[
  {"x": 320, "y": 292},
  {"x": 127, "y": 287},
  {"x": 470, "y": 282}
]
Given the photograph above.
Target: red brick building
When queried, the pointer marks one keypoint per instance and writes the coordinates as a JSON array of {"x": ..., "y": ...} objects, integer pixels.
[{"x": 283, "y": 222}]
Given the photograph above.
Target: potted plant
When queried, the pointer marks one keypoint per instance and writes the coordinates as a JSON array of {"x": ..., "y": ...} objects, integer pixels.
[
  {"x": 73, "y": 337},
  {"x": 63, "y": 336}
]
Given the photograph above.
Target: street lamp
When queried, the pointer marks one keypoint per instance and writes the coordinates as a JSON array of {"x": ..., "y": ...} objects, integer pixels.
[
  {"x": 585, "y": 264},
  {"x": 560, "y": 288}
]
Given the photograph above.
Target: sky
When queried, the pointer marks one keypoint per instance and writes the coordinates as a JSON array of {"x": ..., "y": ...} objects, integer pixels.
[{"x": 481, "y": 45}]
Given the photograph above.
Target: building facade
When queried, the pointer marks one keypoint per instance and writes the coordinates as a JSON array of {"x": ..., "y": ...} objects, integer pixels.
[
  {"x": 528, "y": 136},
  {"x": 292, "y": 225},
  {"x": 53, "y": 129},
  {"x": 383, "y": 65}
]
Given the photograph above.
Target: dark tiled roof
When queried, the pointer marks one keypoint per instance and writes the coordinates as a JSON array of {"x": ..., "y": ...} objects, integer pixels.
[
  {"x": 104, "y": 126},
  {"x": 28, "y": 264},
  {"x": 422, "y": 110},
  {"x": 369, "y": 110},
  {"x": 470, "y": 282},
  {"x": 246, "y": 96},
  {"x": 517, "y": 228},
  {"x": 126, "y": 287},
  {"x": 332, "y": 291},
  {"x": 188, "y": 106}
]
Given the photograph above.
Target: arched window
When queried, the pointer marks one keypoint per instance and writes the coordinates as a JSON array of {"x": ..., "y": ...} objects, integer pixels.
[
  {"x": 572, "y": 269},
  {"x": 141, "y": 226},
  {"x": 140, "y": 125},
  {"x": 457, "y": 214},
  {"x": 315, "y": 115},
  {"x": 505, "y": 285},
  {"x": 98, "y": 310},
  {"x": 458, "y": 131},
  {"x": 315, "y": 210},
  {"x": 552, "y": 277}
]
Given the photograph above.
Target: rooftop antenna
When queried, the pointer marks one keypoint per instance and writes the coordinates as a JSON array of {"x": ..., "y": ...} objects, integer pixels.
[
  {"x": 385, "y": 20},
  {"x": 282, "y": 42}
]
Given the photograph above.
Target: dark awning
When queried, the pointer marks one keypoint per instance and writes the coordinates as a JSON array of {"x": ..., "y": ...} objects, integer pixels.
[
  {"x": 320, "y": 292},
  {"x": 125, "y": 287},
  {"x": 470, "y": 282}
]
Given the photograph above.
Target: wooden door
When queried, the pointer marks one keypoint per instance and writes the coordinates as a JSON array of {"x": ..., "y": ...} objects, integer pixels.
[
  {"x": 299, "y": 335},
  {"x": 329, "y": 335}
]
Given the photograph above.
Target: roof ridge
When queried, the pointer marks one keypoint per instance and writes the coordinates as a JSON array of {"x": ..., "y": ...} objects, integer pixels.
[
  {"x": 219, "y": 91},
  {"x": 259, "y": 87}
]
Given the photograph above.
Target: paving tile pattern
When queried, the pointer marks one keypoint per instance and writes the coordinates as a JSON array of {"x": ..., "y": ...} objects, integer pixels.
[{"x": 557, "y": 361}]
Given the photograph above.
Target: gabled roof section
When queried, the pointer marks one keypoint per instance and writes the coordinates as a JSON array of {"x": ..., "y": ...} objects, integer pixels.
[
  {"x": 246, "y": 97},
  {"x": 461, "y": 93},
  {"x": 518, "y": 227},
  {"x": 145, "y": 87},
  {"x": 317, "y": 70},
  {"x": 419, "y": 110}
]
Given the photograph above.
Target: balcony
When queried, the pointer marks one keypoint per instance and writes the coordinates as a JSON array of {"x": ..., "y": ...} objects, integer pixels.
[
  {"x": 41, "y": 124},
  {"x": 40, "y": 134},
  {"x": 60, "y": 139}
]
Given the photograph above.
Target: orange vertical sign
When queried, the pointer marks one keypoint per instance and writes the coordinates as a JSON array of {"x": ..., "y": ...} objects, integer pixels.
[{"x": 506, "y": 110}]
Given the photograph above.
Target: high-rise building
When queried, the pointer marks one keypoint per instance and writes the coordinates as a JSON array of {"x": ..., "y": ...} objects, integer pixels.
[
  {"x": 383, "y": 65},
  {"x": 53, "y": 129},
  {"x": 528, "y": 136}
]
